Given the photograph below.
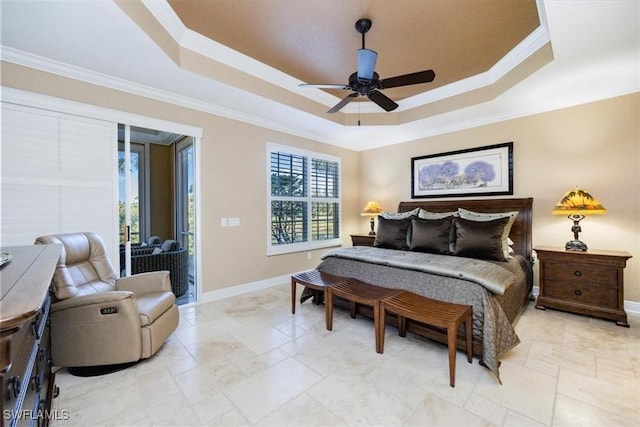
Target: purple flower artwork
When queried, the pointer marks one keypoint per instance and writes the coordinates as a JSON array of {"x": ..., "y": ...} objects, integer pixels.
[
  {"x": 447, "y": 175},
  {"x": 485, "y": 170}
]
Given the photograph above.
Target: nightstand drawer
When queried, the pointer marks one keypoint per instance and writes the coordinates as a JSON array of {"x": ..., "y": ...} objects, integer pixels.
[
  {"x": 600, "y": 296},
  {"x": 581, "y": 273}
]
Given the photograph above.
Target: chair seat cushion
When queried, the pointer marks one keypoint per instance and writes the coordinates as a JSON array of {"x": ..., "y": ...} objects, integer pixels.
[{"x": 153, "y": 305}]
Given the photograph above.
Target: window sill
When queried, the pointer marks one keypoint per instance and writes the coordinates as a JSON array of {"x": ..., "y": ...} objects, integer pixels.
[{"x": 302, "y": 247}]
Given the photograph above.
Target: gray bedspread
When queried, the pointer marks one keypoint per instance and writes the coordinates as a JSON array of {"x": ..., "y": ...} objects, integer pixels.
[
  {"x": 490, "y": 322},
  {"x": 489, "y": 275}
]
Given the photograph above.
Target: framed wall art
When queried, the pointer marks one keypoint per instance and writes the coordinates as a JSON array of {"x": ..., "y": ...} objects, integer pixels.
[{"x": 481, "y": 171}]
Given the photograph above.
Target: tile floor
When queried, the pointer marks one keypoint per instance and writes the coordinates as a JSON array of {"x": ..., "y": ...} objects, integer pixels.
[{"x": 248, "y": 361}]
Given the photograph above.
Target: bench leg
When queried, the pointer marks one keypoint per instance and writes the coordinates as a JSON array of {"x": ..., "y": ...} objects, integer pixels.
[
  {"x": 376, "y": 323},
  {"x": 451, "y": 343},
  {"x": 468, "y": 326},
  {"x": 352, "y": 309},
  {"x": 380, "y": 322},
  {"x": 402, "y": 326},
  {"x": 293, "y": 296},
  {"x": 328, "y": 307}
]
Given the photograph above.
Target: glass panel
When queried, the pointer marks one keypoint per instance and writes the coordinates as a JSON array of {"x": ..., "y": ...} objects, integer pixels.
[
  {"x": 324, "y": 178},
  {"x": 288, "y": 222},
  {"x": 288, "y": 175},
  {"x": 186, "y": 198},
  {"x": 135, "y": 195},
  {"x": 325, "y": 222},
  {"x": 185, "y": 205}
]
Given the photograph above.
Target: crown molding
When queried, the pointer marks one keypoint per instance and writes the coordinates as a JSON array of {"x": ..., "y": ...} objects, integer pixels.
[{"x": 40, "y": 63}]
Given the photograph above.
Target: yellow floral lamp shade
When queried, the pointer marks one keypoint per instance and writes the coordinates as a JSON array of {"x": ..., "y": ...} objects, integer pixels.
[{"x": 372, "y": 208}]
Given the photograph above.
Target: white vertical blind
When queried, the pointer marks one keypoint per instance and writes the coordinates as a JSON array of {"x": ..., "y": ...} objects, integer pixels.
[{"x": 58, "y": 176}]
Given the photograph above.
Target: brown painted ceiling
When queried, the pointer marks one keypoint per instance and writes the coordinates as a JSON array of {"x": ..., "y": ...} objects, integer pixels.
[{"x": 316, "y": 41}]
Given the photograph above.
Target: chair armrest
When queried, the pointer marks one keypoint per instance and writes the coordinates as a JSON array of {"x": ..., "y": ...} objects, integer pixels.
[
  {"x": 104, "y": 297},
  {"x": 144, "y": 283}
]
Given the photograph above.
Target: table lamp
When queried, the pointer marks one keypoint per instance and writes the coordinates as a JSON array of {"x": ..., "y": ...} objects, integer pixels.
[
  {"x": 576, "y": 204},
  {"x": 372, "y": 209}
]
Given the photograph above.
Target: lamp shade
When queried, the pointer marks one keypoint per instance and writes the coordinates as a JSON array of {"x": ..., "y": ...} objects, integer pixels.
[
  {"x": 366, "y": 63},
  {"x": 371, "y": 208},
  {"x": 578, "y": 202}
]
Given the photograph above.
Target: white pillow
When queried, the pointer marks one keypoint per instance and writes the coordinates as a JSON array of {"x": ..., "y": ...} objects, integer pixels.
[
  {"x": 400, "y": 215},
  {"x": 478, "y": 216},
  {"x": 436, "y": 215},
  {"x": 156, "y": 251}
]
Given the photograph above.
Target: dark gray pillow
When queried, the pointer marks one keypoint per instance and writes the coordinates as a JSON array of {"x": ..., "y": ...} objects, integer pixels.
[
  {"x": 476, "y": 239},
  {"x": 392, "y": 233},
  {"x": 430, "y": 235},
  {"x": 170, "y": 246}
]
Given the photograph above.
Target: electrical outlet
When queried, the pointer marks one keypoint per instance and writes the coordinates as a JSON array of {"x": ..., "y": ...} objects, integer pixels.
[
  {"x": 223, "y": 222},
  {"x": 309, "y": 255}
]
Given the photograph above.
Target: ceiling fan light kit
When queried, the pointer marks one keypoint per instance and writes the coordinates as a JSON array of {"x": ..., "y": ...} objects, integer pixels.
[{"x": 366, "y": 82}]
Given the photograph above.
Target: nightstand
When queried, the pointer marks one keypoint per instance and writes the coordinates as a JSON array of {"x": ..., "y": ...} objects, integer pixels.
[
  {"x": 362, "y": 239},
  {"x": 590, "y": 282}
]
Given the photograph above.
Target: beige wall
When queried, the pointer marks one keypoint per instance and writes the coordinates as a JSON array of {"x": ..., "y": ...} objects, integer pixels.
[{"x": 595, "y": 146}]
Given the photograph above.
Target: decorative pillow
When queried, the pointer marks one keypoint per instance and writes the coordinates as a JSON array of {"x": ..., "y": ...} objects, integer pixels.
[
  {"x": 170, "y": 245},
  {"x": 156, "y": 251},
  {"x": 154, "y": 240},
  {"x": 392, "y": 233},
  {"x": 478, "y": 216},
  {"x": 400, "y": 215},
  {"x": 436, "y": 215},
  {"x": 431, "y": 235},
  {"x": 480, "y": 239}
]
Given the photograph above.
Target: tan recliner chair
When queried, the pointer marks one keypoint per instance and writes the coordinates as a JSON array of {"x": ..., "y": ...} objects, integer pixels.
[{"x": 98, "y": 319}]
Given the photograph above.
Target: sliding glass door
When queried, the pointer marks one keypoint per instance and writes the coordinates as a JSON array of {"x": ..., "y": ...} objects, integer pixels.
[{"x": 185, "y": 205}]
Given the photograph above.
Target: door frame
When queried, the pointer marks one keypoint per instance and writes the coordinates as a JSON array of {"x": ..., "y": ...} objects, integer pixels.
[{"x": 36, "y": 100}]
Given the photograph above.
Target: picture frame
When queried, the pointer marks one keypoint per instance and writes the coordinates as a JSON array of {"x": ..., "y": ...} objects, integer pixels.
[{"x": 481, "y": 171}]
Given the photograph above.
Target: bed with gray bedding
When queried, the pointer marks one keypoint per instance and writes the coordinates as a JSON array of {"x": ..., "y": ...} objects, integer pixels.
[{"x": 497, "y": 289}]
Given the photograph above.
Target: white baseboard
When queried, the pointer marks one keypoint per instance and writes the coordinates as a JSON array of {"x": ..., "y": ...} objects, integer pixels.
[{"x": 232, "y": 291}]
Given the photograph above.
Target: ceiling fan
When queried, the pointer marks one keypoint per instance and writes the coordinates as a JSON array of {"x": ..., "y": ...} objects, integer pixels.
[{"x": 367, "y": 82}]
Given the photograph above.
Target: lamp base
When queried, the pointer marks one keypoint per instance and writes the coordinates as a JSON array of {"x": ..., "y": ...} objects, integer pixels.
[
  {"x": 372, "y": 223},
  {"x": 576, "y": 245}
]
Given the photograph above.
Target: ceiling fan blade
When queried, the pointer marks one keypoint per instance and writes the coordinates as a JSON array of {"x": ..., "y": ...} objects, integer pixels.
[
  {"x": 382, "y": 100},
  {"x": 408, "y": 79},
  {"x": 366, "y": 63},
  {"x": 344, "y": 102},
  {"x": 326, "y": 86}
]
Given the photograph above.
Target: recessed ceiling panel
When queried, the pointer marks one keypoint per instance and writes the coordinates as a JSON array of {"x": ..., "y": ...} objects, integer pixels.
[{"x": 316, "y": 41}]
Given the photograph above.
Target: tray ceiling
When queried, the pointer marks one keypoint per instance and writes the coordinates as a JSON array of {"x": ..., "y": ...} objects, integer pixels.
[{"x": 316, "y": 41}]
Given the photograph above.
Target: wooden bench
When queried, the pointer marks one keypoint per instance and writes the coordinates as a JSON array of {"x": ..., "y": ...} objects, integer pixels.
[
  {"x": 357, "y": 292},
  {"x": 407, "y": 305},
  {"x": 315, "y": 280}
]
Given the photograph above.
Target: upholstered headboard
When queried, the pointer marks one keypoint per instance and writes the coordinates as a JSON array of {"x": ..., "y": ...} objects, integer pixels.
[{"x": 520, "y": 231}]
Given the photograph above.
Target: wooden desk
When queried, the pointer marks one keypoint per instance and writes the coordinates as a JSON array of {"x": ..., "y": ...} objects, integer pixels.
[{"x": 28, "y": 385}]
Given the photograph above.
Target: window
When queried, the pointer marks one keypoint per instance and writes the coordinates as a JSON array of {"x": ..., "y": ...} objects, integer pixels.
[{"x": 304, "y": 200}]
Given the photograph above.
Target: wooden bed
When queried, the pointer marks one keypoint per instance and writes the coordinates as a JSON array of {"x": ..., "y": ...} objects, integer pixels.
[{"x": 511, "y": 304}]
